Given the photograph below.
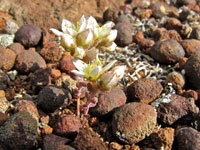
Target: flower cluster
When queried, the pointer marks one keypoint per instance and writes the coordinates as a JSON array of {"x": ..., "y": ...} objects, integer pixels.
[
  {"x": 86, "y": 36},
  {"x": 99, "y": 74}
]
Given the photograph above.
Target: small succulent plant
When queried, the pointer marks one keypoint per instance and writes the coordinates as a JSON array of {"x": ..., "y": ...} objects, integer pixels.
[
  {"x": 84, "y": 40},
  {"x": 86, "y": 36}
]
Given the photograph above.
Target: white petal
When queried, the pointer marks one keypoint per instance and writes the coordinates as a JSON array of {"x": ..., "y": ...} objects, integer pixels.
[
  {"x": 72, "y": 32},
  {"x": 119, "y": 70},
  {"x": 78, "y": 73},
  {"x": 96, "y": 72},
  {"x": 106, "y": 28},
  {"x": 112, "y": 47},
  {"x": 112, "y": 36},
  {"x": 79, "y": 64},
  {"x": 65, "y": 25},
  {"x": 91, "y": 23},
  {"x": 108, "y": 66},
  {"x": 83, "y": 24},
  {"x": 56, "y": 32}
]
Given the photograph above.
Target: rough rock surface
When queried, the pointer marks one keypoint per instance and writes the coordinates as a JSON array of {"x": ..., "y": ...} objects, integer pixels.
[
  {"x": 177, "y": 108},
  {"x": 167, "y": 51},
  {"x": 17, "y": 48},
  {"x": 109, "y": 101},
  {"x": 190, "y": 46},
  {"x": 24, "y": 12},
  {"x": 144, "y": 90},
  {"x": 29, "y": 61},
  {"x": 19, "y": 132},
  {"x": 4, "y": 80},
  {"x": 192, "y": 70},
  {"x": 188, "y": 139},
  {"x": 132, "y": 122},
  {"x": 88, "y": 139},
  {"x": 7, "y": 59},
  {"x": 67, "y": 126},
  {"x": 52, "y": 97},
  {"x": 53, "y": 142}
]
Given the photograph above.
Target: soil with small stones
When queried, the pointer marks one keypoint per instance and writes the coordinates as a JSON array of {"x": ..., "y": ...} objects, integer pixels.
[{"x": 155, "y": 105}]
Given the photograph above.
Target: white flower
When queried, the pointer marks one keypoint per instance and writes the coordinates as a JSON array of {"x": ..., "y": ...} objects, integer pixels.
[
  {"x": 111, "y": 78},
  {"x": 67, "y": 41},
  {"x": 91, "y": 71}
]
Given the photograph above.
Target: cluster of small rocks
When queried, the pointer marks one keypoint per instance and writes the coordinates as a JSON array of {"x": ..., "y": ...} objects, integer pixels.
[{"x": 155, "y": 106}]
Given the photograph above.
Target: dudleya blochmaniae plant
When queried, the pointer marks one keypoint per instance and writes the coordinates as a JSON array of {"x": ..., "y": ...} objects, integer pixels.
[{"x": 86, "y": 37}]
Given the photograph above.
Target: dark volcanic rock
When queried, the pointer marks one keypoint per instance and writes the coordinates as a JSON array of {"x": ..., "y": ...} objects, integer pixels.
[
  {"x": 28, "y": 35},
  {"x": 132, "y": 122},
  {"x": 144, "y": 90},
  {"x": 188, "y": 139},
  {"x": 4, "y": 80},
  {"x": 177, "y": 108},
  {"x": 19, "y": 132},
  {"x": 109, "y": 101},
  {"x": 51, "y": 97},
  {"x": 124, "y": 34},
  {"x": 53, "y": 142},
  {"x": 29, "y": 61},
  {"x": 192, "y": 70},
  {"x": 168, "y": 51},
  {"x": 87, "y": 139}
]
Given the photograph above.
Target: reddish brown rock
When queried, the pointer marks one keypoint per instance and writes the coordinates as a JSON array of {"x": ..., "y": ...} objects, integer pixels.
[
  {"x": 168, "y": 34},
  {"x": 167, "y": 51},
  {"x": 51, "y": 52},
  {"x": 7, "y": 59},
  {"x": 88, "y": 139},
  {"x": 176, "y": 79},
  {"x": 138, "y": 37},
  {"x": 192, "y": 70},
  {"x": 186, "y": 2},
  {"x": 143, "y": 13},
  {"x": 29, "y": 61},
  {"x": 123, "y": 19},
  {"x": 109, "y": 101},
  {"x": 187, "y": 139},
  {"x": 190, "y": 46},
  {"x": 66, "y": 63},
  {"x": 190, "y": 93},
  {"x": 53, "y": 142},
  {"x": 173, "y": 24},
  {"x": 164, "y": 138},
  {"x": 17, "y": 48},
  {"x": 55, "y": 73},
  {"x": 146, "y": 44},
  {"x": 144, "y": 90},
  {"x": 52, "y": 97},
  {"x": 19, "y": 132},
  {"x": 177, "y": 108},
  {"x": 129, "y": 119},
  {"x": 140, "y": 3},
  {"x": 28, "y": 35},
  {"x": 195, "y": 34},
  {"x": 27, "y": 105},
  {"x": 67, "y": 125},
  {"x": 182, "y": 62}
]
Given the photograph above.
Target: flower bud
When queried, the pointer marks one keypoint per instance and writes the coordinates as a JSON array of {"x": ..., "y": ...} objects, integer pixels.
[
  {"x": 85, "y": 38},
  {"x": 67, "y": 41},
  {"x": 111, "y": 78}
]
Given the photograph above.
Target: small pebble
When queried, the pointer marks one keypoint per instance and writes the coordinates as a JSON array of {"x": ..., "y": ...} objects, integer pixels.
[{"x": 28, "y": 35}]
